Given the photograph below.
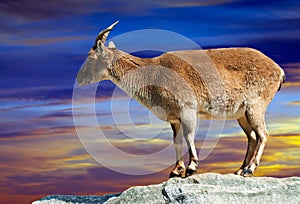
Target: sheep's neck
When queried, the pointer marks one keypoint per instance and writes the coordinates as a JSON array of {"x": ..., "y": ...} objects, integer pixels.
[{"x": 124, "y": 72}]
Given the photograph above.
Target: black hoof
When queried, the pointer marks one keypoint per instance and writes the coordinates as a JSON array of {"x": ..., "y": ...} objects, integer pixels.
[
  {"x": 174, "y": 175},
  {"x": 190, "y": 172},
  {"x": 179, "y": 172},
  {"x": 247, "y": 173}
]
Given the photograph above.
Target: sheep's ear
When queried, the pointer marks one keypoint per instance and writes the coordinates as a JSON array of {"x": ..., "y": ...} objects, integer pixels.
[{"x": 111, "y": 44}]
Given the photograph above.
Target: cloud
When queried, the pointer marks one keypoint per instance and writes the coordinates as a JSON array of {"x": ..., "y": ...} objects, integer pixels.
[
  {"x": 43, "y": 41},
  {"x": 295, "y": 103},
  {"x": 52, "y": 161},
  {"x": 263, "y": 4},
  {"x": 176, "y": 3},
  {"x": 29, "y": 10},
  {"x": 37, "y": 93},
  {"x": 62, "y": 93},
  {"x": 57, "y": 115},
  {"x": 40, "y": 152},
  {"x": 292, "y": 71},
  {"x": 31, "y": 23},
  {"x": 280, "y": 159},
  {"x": 141, "y": 147},
  {"x": 51, "y": 131},
  {"x": 292, "y": 66},
  {"x": 292, "y": 84},
  {"x": 58, "y": 163},
  {"x": 11, "y": 107},
  {"x": 284, "y": 125}
]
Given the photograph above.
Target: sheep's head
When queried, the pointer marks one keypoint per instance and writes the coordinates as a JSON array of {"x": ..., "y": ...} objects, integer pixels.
[{"x": 99, "y": 57}]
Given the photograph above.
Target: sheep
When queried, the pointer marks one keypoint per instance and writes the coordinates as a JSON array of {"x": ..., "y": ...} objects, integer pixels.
[{"x": 178, "y": 88}]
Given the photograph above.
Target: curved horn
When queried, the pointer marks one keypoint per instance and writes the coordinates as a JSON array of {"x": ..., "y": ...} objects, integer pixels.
[{"x": 103, "y": 34}]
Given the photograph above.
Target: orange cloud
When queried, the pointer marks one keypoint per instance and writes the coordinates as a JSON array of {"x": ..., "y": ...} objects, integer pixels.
[
  {"x": 53, "y": 161},
  {"x": 292, "y": 70},
  {"x": 295, "y": 103}
]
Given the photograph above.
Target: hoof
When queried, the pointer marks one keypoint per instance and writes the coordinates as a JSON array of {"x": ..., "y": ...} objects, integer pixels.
[
  {"x": 175, "y": 175},
  {"x": 247, "y": 173},
  {"x": 178, "y": 172},
  {"x": 190, "y": 172},
  {"x": 238, "y": 172}
]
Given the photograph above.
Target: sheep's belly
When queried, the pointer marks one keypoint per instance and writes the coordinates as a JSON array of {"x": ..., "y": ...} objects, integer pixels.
[{"x": 225, "y": 115}]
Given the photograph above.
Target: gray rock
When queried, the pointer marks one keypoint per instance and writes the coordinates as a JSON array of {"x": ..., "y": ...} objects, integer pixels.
[
  {"x": 205, "y": 188},
  {"x": 72, "y": 199}
]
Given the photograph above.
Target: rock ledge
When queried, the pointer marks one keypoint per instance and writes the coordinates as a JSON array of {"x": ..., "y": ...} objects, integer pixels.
[{"x": 200, "y": 188}]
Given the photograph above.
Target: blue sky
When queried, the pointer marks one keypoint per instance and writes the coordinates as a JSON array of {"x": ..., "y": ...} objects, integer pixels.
[
  {"x": 41, "y": 41},
  {"x": 42, "y": 47}
]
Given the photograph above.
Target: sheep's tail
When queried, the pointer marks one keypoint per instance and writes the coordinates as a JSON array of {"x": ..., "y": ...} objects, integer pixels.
[{"x": 282, "y": 78}]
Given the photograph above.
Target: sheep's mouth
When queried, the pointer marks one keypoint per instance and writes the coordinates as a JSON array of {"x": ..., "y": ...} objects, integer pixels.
[{"x": 82, "y": 82}]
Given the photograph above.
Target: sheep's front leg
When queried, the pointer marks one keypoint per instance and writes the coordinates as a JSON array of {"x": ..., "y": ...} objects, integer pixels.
[
  {"x": 189, "y": 123},
  {"x": 179, "y": 169}
]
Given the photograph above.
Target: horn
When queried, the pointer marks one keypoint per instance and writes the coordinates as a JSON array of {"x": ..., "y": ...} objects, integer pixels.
[{"x": 103, "y": 34}]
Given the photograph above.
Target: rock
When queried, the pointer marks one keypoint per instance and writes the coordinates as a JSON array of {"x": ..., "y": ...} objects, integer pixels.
[
  {"x": 70, "y": 199},
  {"x": 202, "y": 188},
  {"x": 140, "y": 194}
]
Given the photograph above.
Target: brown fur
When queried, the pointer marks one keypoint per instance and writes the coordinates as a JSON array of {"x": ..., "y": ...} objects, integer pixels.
[
  {"x": 231, "y": 83},
  {"x": 246, "y": 75}
]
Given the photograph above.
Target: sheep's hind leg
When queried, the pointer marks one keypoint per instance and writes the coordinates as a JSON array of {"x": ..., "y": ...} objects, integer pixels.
[
  {"x": 179, "y": 169},
  {"x": 255, "y": 117},
  {"x": 251, "y": 136}
]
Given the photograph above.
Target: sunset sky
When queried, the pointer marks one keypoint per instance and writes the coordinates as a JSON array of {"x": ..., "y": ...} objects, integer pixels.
[{"x": 43, "y": 46}]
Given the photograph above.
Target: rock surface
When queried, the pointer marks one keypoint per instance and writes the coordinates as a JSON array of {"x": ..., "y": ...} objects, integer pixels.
[
  {"x": 70, "y": 199},
  {"x": 201, "y": 188}
]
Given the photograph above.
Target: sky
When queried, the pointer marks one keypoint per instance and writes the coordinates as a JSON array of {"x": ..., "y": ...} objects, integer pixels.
[{"x": 42, "y": 47}]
